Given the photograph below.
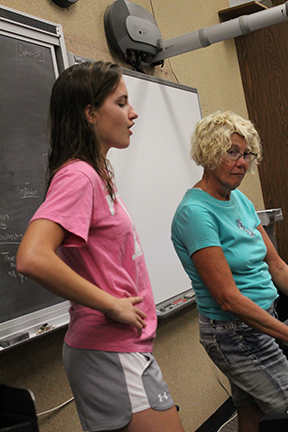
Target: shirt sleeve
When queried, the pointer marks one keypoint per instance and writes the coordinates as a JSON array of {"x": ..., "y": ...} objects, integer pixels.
[
  {"x": 69, "y": 203},
  {"x": 197, "y": 228}
]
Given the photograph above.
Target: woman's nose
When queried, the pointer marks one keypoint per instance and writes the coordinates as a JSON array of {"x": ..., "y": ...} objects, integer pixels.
[{"x": 133, "y": 114}]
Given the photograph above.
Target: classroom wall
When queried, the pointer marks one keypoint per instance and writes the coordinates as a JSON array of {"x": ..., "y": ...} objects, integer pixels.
[{"x": 193, "y": 380}]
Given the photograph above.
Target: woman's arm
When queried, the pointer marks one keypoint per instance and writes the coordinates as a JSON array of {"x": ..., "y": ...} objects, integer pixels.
[
  {"x": 215, "y": 272},
  {"x": 37, "y": 259}
]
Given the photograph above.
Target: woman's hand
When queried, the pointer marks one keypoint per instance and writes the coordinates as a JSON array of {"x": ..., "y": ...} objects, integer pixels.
[{"x": 125, "y": 312}]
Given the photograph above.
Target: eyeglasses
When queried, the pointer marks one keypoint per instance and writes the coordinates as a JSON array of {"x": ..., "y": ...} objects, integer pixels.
[{"x": 236, "y": 155}]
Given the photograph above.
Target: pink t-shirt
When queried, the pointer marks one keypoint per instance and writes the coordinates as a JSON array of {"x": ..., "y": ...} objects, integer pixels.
[{"x": 103, "y": 247}]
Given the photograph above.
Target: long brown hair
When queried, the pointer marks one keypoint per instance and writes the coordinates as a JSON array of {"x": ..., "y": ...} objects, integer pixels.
[{"x": 71, "y": 134}]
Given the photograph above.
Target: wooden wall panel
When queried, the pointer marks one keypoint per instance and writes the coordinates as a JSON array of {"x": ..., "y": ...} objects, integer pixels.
[{"x": 263, "y": 62}]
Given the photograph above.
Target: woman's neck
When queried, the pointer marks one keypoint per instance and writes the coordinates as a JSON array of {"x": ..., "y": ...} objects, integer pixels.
[{"x": 213, "y": 189}]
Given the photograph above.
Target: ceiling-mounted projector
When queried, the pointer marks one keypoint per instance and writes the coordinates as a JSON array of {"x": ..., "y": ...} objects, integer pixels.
[{"x": 132, "y": 32}]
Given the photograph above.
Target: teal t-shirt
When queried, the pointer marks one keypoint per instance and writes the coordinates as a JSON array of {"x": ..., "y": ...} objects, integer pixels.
[{"x": 202, "y": 221}]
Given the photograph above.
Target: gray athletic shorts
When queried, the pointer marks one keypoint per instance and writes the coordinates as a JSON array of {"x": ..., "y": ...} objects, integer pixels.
[{"x": 109, "y": 387}]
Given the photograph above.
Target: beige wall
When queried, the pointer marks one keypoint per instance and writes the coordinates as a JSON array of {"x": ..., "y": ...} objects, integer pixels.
[{"x": 193, "y": 380}]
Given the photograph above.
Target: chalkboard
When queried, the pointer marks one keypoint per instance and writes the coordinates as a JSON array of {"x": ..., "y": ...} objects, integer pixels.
[
  {"x": 30, "y": 63},
  {"x": 155, "y": 171}
]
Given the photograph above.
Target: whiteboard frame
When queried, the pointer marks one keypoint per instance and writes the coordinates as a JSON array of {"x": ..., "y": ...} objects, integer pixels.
[
  {"x": 161, "y": 283},
  {"x": 132, "y": 201}
]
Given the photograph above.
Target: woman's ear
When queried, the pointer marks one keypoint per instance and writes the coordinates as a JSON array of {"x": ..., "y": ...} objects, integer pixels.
[{"x": 90, "y": 114}]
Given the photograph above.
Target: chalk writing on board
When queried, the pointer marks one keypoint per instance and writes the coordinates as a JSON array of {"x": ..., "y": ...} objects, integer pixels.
[
  {"x": 8, "y": 260},
  {"x": 30, "y": 51},
  {"x": 10, "y": 266},
  {"x": 27, "y": 193},
  {"x": 3, "y": 221},
  {"x": 10, "y": 238}
]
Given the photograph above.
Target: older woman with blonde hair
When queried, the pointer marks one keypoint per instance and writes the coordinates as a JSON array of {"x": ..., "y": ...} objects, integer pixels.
[{"x": 234, "y": 269}]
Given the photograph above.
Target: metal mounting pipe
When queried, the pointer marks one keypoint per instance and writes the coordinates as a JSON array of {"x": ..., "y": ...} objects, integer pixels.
[{"x": 220, "y": 32}]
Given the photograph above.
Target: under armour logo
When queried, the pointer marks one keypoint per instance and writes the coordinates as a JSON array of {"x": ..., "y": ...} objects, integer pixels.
[{"x": 161, "y": 397}]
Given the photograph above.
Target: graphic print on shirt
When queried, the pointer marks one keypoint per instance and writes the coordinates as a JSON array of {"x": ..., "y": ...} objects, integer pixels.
[
  {"x": 138, "y": 250},
  {"x": 240, "y": 225}
]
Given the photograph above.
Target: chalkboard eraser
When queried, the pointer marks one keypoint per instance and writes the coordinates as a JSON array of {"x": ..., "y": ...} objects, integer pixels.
[
  {"x": 189, "y": 295},
  {"x": 4, "y": 343}
]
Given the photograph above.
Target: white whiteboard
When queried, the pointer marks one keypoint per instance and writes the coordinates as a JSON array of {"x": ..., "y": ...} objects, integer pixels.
[{"x": 153, "y": 174}]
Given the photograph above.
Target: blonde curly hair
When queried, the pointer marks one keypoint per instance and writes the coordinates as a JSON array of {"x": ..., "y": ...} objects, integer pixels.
[{"x": 212, "y": 138}]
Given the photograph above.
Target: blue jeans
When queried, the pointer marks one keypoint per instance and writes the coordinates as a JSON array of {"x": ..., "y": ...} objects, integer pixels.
[{"x": 253, "y": 362}]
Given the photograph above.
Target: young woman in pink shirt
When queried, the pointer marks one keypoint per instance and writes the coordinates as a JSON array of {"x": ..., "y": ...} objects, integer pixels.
[{"x": 82, "y": 245}]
